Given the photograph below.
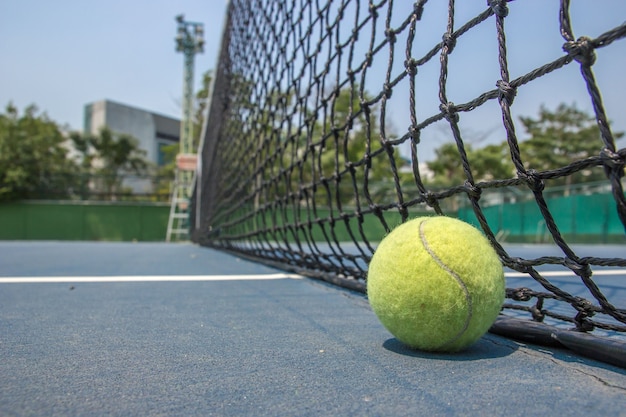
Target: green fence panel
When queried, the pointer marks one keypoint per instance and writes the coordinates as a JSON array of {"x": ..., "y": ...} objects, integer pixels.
[
  {"x": 54, "y": 222},
  {"x": 614, "y": 225},
  {"x": 596, "y": 213},
  {"x": 119, "y": 224},
  {"x": 50, "y": 220},
  {"x": 153, "y": 222},
  {"x": 13, "y": 221},
  {"x": 591, "y": 213},
  {"x": 580, "y": 218},
  {"x": 564, "y": 211}
]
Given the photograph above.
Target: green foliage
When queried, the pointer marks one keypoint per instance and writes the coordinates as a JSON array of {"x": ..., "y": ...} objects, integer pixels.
[
  {"x": 561, "y": 137},
  {"x": 167, "y": 172},
  {"x": 33, "y": 158},
  {"x": 323, "y": 160},
  {"x": 39, "y": 161},
  {"x": 447, "y": 166},
  {"x": 557, "y": 138},
  {"x": 488, "y": 163},
  {"x": 202, "y": 100},
  {"x": 109, "y": 156},
  {"x": 339, "y": 148}
]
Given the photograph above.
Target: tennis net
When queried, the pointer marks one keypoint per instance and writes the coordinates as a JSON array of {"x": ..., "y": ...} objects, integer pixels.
[{"x": 331, "y": 122}]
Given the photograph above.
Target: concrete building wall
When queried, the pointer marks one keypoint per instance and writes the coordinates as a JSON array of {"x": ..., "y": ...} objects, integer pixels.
[
  {"x": 153, "y": 131},
  {"x": 150, "y": 129}
]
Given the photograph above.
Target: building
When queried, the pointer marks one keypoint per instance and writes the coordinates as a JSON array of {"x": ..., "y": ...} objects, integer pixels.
[{"x": 153, "y": 131}]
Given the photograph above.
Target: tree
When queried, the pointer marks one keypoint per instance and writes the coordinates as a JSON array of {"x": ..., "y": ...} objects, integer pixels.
[
  {"x": 560, "y": 137},
  {"x": 491, "y": 162},
  {"x": 110, "y": 156},
  {"x": 202, "y": 100},
  {"x": 352, "y": 134},
  {"x": 33, "y": 158},
  {"x": 166, "y": 172},
  {"x": 446, "y": 166},
  {"x": 557, "y": 138}
]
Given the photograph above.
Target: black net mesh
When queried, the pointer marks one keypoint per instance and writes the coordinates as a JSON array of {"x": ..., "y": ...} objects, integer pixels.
[{"x": 326, "y": 124}]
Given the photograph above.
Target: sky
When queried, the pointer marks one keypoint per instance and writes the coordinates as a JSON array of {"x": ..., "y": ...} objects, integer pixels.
[
  {"x": 533, "y": 39},
  {"x": 63, "y": 54}
]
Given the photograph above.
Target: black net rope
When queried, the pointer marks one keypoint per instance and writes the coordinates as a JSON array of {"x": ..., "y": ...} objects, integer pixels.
[{"x": 283, "y": 179}]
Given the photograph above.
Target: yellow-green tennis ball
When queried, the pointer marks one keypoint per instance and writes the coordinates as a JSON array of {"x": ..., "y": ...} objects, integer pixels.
[{"x": 436, "y": 284}]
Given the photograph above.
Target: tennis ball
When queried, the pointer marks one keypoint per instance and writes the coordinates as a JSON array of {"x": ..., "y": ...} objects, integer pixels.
[{"x": 436, "y": 284}]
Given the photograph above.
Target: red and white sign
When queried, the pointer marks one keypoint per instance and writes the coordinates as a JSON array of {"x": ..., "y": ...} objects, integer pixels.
[{"x": 186, "y": 161}]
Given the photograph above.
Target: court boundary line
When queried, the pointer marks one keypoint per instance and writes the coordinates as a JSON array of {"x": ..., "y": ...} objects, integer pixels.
[
  {"x": 145, "y": 278},
  {"x": 606, "y": 272},
  {"x": 239, "y": 277}
]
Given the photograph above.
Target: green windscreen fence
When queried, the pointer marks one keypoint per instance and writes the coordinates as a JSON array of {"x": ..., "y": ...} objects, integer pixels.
[
  {"x": 581, "y": 218},
  {"x": 65, "y": 220}
]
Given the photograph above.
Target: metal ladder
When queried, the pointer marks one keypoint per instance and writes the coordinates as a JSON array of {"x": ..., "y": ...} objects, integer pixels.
[{"x": 178, "y": 222}]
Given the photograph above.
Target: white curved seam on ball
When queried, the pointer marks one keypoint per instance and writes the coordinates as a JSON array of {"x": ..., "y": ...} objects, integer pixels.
[{"x": 458, "y": 279}]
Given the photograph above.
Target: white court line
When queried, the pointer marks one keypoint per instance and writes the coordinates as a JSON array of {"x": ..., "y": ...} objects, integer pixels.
[
  {"x": 565, "y": 273},
  {"x": 145, "y": 278},
  {"x": 261, "y": 277}
]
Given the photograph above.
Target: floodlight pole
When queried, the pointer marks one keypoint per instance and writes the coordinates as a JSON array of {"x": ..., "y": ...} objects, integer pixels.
[{"x": 189, "y": 41}]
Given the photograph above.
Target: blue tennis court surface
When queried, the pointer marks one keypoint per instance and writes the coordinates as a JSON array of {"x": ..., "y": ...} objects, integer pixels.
[{"x": 158, "y": 329}]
